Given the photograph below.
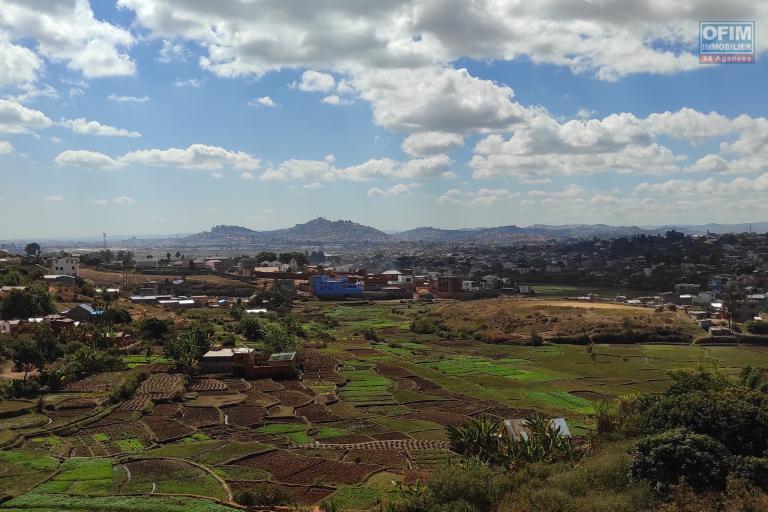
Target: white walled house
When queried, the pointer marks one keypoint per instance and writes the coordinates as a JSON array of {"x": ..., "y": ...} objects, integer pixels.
[{"x": 66, "y": 265}]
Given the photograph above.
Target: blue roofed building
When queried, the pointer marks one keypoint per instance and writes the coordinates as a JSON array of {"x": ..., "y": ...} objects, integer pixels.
[{"x": 327, "y": 287}]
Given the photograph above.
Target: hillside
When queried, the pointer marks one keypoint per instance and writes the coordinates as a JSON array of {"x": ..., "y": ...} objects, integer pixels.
[
  {"x": 327, "y": 231},
  {"x": 316, "y": 231}
]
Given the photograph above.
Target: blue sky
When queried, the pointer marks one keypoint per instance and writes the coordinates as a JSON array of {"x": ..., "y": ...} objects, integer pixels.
[{"x": 164, "y": 116}]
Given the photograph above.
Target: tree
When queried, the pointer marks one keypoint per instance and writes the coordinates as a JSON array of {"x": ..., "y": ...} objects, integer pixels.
[
  {"x": 663, "y": 459},
  {"x": 26, "y": 355},
  {"x": 266, "y": 256},
  {"x": 116, "y": 316},
  {"x": 709, "y": 403},
  {"x": 278, "y": 339},
  {"x": 186, "y": 350},
  {"x": 733, "y": 298},
  {"x": 29, "y": 303},
  {"x": 251, "y": 328},
  {"x": 32, "y": 249},
  {"x": 153, "y": 328}
]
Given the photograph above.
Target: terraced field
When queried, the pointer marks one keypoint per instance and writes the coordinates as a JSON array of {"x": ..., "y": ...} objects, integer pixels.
[{"x": 366, "y": 414}]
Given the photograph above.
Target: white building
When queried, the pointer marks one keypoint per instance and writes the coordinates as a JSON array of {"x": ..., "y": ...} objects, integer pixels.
[{"x": 66, "y": 265}]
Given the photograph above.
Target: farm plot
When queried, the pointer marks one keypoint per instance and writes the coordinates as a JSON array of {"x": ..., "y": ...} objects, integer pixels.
[
  {"x": 162, "y": 384},
  {"x": 166, "y": 476},
  {"x": 298, "y": 494},
  {"x": 201, "y": 416},
  {"x": 87, "y": 476},
  {"x": 365, "y": 387},
  {"x": 21, "y": 469},
  {"x": 509, "y": 368},
  {"x": 244, "y": 415},
  {"x": 99, "y": 383},
  {"x": 207, "y": 385},
  {"x": 287, "y": 467},
  {"x": 385, "y": 458}
]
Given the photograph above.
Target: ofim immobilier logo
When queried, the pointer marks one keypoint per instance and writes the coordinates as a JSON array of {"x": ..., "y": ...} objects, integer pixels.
[{"x": 726, "y": 42}]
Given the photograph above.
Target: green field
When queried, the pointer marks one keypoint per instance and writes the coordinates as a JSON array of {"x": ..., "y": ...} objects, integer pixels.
[{"x": 397, "y": 385}]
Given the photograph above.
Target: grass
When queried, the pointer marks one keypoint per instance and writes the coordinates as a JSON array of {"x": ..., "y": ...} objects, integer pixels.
[
  {"x": 29, "y": 459},
  {"x": 130, "y": 445},
  {"x": 57, "y": 502},
  {"x": 354, "y": 498},
  {"x": 86, "y": 476},
  {"x": 133, "y": 361},
  {"x": 406, "y": 425},
  {"x": 561, "y": 400},
  {"x": 282, "y": 428}
]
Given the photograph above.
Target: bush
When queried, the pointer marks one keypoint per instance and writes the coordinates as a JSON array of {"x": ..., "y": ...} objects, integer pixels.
[
  {"x": 664, "y": 459},
  {"x": 153, "y": 328},
  {"x": 129, "y": 386},
  {"x": 752, "y": 469},
  {"x": 757, "y": 326},
  {"x": 116, "y": 316},
  {"x": 251, "y": 328},
  {"x": 708, "y": 403}
]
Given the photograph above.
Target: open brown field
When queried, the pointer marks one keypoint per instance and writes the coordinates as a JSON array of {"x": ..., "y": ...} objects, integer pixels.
[{"x": 513, "y": 320}]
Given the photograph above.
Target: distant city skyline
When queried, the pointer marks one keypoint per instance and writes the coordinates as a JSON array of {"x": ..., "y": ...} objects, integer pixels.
[{"x": 165, "y": 116}]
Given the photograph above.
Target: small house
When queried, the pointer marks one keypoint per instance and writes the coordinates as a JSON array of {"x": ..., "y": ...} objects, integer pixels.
[
  {"x": 517, "y": 429},
  {"x": 83, "y": 313}
]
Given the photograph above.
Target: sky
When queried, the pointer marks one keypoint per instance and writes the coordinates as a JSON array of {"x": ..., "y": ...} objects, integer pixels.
[{"x": 138, "y": 117}]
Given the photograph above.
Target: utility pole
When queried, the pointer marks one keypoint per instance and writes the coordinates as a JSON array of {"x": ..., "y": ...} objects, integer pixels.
[{"x": 105, "y": 240}]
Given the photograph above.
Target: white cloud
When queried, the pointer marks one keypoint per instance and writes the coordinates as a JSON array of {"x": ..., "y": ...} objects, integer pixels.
[
  {"x": 190, "y": 82},
  {"x": 122, "y": 200},
  {"x": 264, "y": 101},
  {"x": 585, "y": 113},
  {"x": 5, "y": 147},
  {"x": 196, "y": 156},
  {"x": 336, "y": 101},
  {"x": 437, "y": 166},
  {"x": 30, "y": 91},
  {"x": 16, "y": 118},
  {"x": 128, "y": 99},
  {"x": 430, "y": 143},
  {"x": 247, "y": 176},
  {"x": 172, "y": 50},
  {"x": 87, "y": 160},
  {"x": 609, "y": 39},
  {"x": 481, "y": 197},
  {"x": 397, "y": 190},
  {"x": 18, "y": 64},
  {"x": 316, "y": 171},
  {"x": 315, "y": 81},
  {"x": 438, "y": 99},
  {"x": 54, "y": 199},
  {"x": 67, "y": 30},
  {"x": 85, "y": 127}
]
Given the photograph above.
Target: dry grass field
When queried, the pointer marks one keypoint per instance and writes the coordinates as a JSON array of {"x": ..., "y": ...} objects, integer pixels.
[{"x": 512, "y": 319}]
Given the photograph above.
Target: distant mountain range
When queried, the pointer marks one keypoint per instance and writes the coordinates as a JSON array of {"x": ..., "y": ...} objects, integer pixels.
[{"x": 322, "y": 231}]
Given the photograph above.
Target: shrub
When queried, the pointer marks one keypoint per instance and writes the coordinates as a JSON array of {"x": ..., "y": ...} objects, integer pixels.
[
  {"x": 251, "y": 328},
  {"x": 129, "y": 386},
  {"x": 757, "y": 326},
  {"x": 708, "y": 403},
  {"x": 664, "y": 459},
  {"x": 752, "y": 469}
]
